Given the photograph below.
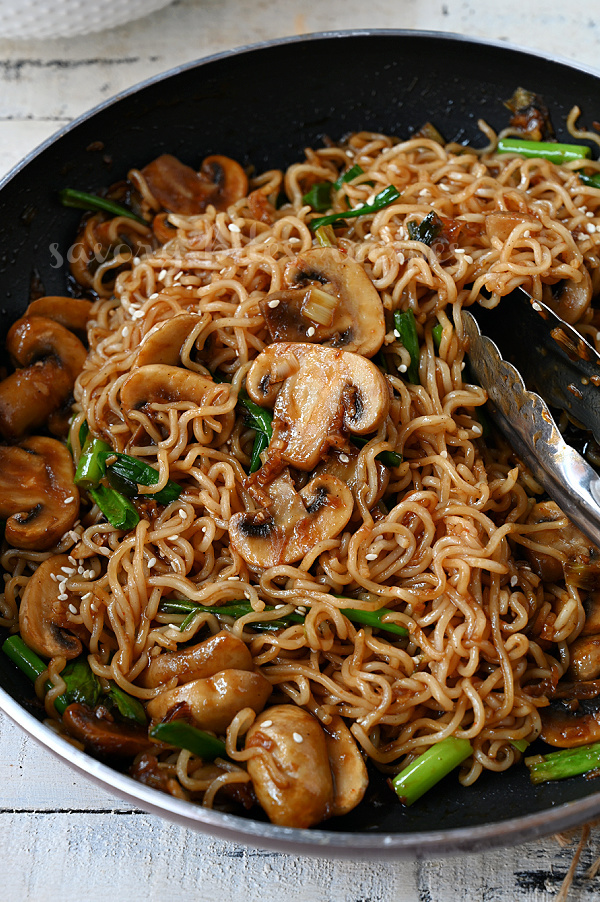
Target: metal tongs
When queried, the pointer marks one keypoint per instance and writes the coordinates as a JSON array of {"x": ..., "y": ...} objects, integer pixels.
[{"x": 542, "y": 353}]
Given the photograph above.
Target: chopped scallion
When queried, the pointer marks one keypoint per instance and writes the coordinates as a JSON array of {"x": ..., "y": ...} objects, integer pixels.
[
  {"x": 545, "y": 150},
  {"x": 386, "y": 197},
  {"x": 70, "y": 197},
  {"x": 404, "y": 321},
  {"x": 430, "y": 767},
  {"x": 185, "y": 736},
  {"x": 563, "y": 764}
]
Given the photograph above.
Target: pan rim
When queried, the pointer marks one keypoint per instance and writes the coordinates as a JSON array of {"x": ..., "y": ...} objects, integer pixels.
[{"x": 315, "y": 842}]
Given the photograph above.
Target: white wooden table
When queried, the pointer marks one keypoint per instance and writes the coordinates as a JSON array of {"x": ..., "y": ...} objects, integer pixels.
[{"x": 63, "y": 839}]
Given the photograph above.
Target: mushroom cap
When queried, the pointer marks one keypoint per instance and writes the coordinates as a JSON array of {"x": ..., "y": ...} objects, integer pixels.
[
  {"x": 320, "y": 396},
  {"x": 164, "y": 342},
  {"x": 298, "y": 792},
  {"x": 214, "y": 702},
  {"x": 38, "y": 497},
  {"x": 223, "y": 651},
  {"x": 29, "y": 395},
  {"x": 179, "y": 189},
  {"x": 102, "y": 736},
  {"x": 349, "y": 771},
  {"x": 34, "y": 338},
  {"x": 570, "y": 298},
  {"x": 72, "y": 313},
  {"x": 357, "y": 320},
  {"x": 567, "y": 729},
  {"x": 294, "y": 523},
  {"x": 43, "y": 616}
]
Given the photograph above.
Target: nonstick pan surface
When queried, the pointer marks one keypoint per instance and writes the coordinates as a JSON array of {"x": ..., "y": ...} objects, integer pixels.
[{"x": 263, "y": 106}]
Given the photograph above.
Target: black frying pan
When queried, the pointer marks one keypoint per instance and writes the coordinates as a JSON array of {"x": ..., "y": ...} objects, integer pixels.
[{"x": 264, "y": 106}]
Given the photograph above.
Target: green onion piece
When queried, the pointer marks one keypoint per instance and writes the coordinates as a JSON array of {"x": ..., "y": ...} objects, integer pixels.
[
  {"x": 239, "y": 609},
  {"x": 389, "y": 458},
  {"x": 261, "y": 442},
  {"x": 405, "y": 324},
  {"x": 374, "y": 619},
  {"x": 319, "y": 196},
  {"x": 261, "y": 419},
  {"x": 437, "y": 333},
  {"x": 136, "y": 472},
  {"x": 83, "y": 434},
  {"x": 430, "y": 767},
  {"x": 326, "y": 236},
  {"x": 128, "y": 707},
  {"x": 521, "y": 745},
  {"x": 118, "y": 510},
  {"x": 184, "y": 736},
  {"x": 386, "y": 197},
  {"x": 70, "y": 197},
  {"x": 92, "y": 463},
  {"x": 563, "y": 764},
  {"x": 592, "y": 180},
  {"x": 348, "y": 176},
  {"x": 82, "y": 683},
  {"x": 545, "y": 150},
  {"x": 427, "y": 230}
]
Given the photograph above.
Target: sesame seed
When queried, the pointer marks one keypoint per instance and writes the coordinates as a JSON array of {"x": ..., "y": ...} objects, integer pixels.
[
  {"x": 459, "y": 250},
  {"x": 279, "y": 606},
  {"x": 372, "y": 556},
  {"x": 69, "y": 570},
  {"x": 137, "y": 314},
  {"x": 152, "y": 562},
  {"x": 370, "y": 198},
  {"x": 233, "y": 227},
  {"x": 590, "y": 227},
  {"x": 403, "y": 368},
  {"x": 54, "y": 577},
  {"x": 177, "y": 276},
  {"x": 296, "y": 240},
  {"x": 273, "y": 304},
  {"x": 301, "y": 608},
  {"x": 311, "y": 331},
  {"x": 72, "y": 560},
  {"x": 136, "y": 261},
  {"x": 514, "y": 580},
  {"x": 477, "y": 430},
  {"x": 63, "y": 596},
  {"x": 153, "y": 296},
  {"x": 86, "y": 596},
  {"x": 443, "y": 453},
  {"x": 81, "y": 570},
  {"x": 344, "y": 458},
  {"x": 267, "y": 723},
  {"x": 233, "y": 577},
  {"x": 396, "y": 333},
  {"x": 172, "y": 538},
  {"x": 298, "y": 738},
  {"x": 589, "y": 214},
  {"x": 94, "y": 607},
  {"x": 468, "y": 258},
  {"x": 72, "y": 609},
  {"x": 536, "y": 307},
  {"x": 423, "y": 192},
  {"x": 181, "y": 513},
  {"x": 526, "y": 234},
  {"x": 125, "y": 331},
  {"x": 162, "y": 273}
]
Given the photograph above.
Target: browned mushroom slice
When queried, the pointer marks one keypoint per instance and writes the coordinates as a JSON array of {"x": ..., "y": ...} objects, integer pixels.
[
  {"x": 179, "y": 189},
  {"x": 320, "y": 396},
  {"x": 38, "y": 498},
  {"x": 591, "y": 606},
  {"x": 161, "y": 384},
  {"x": 294, "y": 523},
  {"x": 221, "y": 652},
  {"x": 330, "y": 301},
  {"x": 214, "y": 702},
  {"x": 302, "y": 795},
  {"x": 349, "y": 771},
  {"x": 343, "y": 465},
  {"x": 72, "y": 313},
  {"x": 501, "y": 223},
  {"x": 103, "y": 736},
  {"x": 50, "y": 358},
  {"x": 585, "y": 658},
  {"x": 164, "y": 342},
  {"x": 578, "y": 556},
  {"x": 570, "y": 298},
  {"x": 43, "y": 615},
  {"x": 567, "y": 728}
]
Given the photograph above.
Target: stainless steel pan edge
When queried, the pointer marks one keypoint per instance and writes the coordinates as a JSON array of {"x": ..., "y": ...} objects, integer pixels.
[{"x": 443, "y": 77}]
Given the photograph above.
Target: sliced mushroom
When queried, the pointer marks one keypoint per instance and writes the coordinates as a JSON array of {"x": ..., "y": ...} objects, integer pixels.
[
  {"x": 214, "y": 702},
  {"x": 330, "y": 301},
  {"x": 320, "y": 396},
  {"x": 348, "y": 769},
  {"x": 591, "y": 606},
  {"x": 293, "y": 523},
  {"x": 103, "y": 736},
  {"x": 585, "y": 658},
  {"x": 164, "y": 342},
  {"x": 567, "y": 728},
  {"x": 50, "y": 358},
  {"x": 570, "y": 298},
  {"x": 298, "y": 791},
  {"x": 343, "y": 465},
  {"x": 221, "y": 652},
  {"x": 72, "y": 313},
  {"x": 38, "y": 498},
  {"x": 179, "y": 189},
  {"x": 501, "y": 223},
  {"x": 576, "y": 551},
  {"x": 43, "y": 616},
  {"x": 163, "y": 384}
]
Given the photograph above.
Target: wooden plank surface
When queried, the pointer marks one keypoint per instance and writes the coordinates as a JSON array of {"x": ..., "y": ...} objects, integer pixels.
[{"x": 62, "y": 837}]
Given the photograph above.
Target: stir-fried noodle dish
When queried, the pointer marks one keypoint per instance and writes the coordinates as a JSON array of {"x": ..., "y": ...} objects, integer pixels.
[{"x": 260, "y": 536}]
